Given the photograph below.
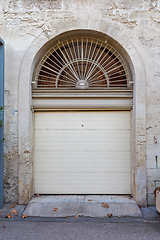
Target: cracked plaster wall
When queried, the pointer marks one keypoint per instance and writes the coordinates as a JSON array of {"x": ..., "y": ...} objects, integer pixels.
[{"x": 21, "y": 22}]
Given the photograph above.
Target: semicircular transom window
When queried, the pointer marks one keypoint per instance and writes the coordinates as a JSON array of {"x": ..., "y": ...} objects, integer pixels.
[{"x": 82, "y": 63}]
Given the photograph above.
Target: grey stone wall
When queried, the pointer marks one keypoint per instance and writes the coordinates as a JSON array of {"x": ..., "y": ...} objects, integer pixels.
[{"x": 22, "y": 22}]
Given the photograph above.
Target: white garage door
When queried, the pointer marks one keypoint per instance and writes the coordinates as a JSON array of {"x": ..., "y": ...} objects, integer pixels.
[{"x": 83, "y": 152}]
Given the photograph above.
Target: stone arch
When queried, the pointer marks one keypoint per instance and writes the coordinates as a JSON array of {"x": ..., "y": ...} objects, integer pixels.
[
  {"x": 138, "y": 111},
  {"x": 113, "y": 48}
]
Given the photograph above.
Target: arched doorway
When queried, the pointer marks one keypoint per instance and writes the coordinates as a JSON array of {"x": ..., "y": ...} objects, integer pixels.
[
  {"x": 102, "y": 100},
  {"x": 82, "y": 95}
]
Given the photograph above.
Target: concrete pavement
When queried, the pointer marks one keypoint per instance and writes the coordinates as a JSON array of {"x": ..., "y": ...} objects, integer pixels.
[
  {"x": 99, "y": 206},
  {"x": 146, "y": 227},
  {"x": 78, "y": 230},
  {"x": 148, "y": 214}
]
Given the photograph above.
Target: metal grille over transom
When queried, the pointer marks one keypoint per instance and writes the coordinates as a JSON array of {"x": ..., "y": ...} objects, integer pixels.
[{"x": 82, "y": 63}]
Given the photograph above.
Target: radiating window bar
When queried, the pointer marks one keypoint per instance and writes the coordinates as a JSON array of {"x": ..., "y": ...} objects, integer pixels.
[{"x": 82, "y": 63}]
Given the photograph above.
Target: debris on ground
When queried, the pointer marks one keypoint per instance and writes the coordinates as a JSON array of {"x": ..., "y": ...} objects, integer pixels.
[
  {"x": 55, "y": 209},
  {"x": 110, "y": 215},
  {"x": 13, "y": 205},
  {"x": 14, "y": 211},
  {"x": 105, "y": 205},
  {"x": 9, "y": 215}
]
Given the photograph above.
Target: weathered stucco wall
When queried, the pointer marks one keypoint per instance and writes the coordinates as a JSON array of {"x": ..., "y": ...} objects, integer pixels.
[{"x": 26, "y": 25}]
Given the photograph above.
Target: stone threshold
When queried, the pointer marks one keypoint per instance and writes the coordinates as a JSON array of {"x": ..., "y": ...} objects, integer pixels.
[{"x": 82, "y": 205}]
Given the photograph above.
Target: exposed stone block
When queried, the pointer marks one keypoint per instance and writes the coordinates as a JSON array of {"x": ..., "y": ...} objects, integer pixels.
[
  {"x": 130, "y": 4},
  {"x": 151, "y": 199}
]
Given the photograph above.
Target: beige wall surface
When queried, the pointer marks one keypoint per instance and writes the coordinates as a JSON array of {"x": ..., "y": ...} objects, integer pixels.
[{"x": 26, "y": 26}]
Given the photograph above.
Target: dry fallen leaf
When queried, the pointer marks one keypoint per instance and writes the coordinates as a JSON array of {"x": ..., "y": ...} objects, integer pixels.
[
  {"x": 16, "y": 214},
  {"x": 109, "y": 215},
  {"x": 38, "y": 195},
  {"x": 105, "y": 205},
  {"x": 67, "y": 217},
  {"x": 14, "y": 211},
  {"x": 24, "y": 216},
  {"x": 77, "y": 216},
  {"x": 1, "y": 213},
  {"x": 12, "y": 205},
  {"x": 4, "y": 226},
  {"x": 55, "y": 209},
  {"x": 90, "y": 200},
  {"x": 9, "y": 215}
]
